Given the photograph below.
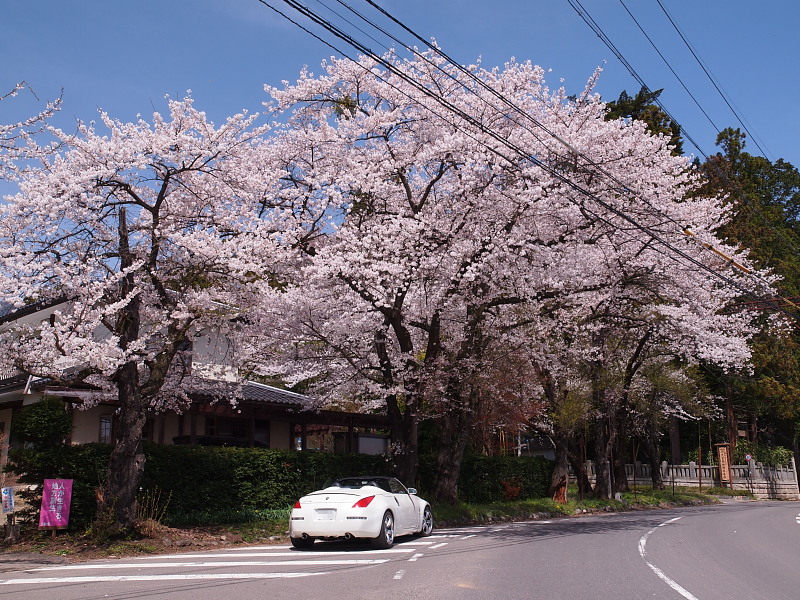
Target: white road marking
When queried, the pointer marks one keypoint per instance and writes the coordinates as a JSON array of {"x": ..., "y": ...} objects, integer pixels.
[
  {"x": 399, "y": 574},
  {"x": 418, "y": 543},
  {"x": 415, "y": 557},
  {"x": 295, "y": 553},
  {"x": 169, "y": 577},
  {"x": 434, "y": 547},
  {"x": 466, "y": 537},
  {"x": 226, "y": 563},
  {"x": 643, "y": 553}
]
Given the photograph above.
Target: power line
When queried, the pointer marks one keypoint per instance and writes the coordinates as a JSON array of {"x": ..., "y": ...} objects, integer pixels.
[
  {"x": 711, "y": 78},
  {"x": 733, "y": 185},
  {"x": 669, "y": 66},
  {"x": 314, "y": 17},
  {"x": 624, "y": 187}
]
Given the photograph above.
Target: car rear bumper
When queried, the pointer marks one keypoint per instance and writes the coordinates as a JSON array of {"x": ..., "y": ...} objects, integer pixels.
[{"x": 355, "y": 526}]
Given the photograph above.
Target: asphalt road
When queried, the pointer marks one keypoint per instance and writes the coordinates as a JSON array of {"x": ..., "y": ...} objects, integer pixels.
[{"x": 741, "y": 550}]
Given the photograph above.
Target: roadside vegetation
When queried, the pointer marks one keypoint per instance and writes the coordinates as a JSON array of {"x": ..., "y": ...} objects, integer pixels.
[{"x": 269, "y": 526}]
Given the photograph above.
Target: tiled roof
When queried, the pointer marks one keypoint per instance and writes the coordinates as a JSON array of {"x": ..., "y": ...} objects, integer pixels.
[
  {"x": 258, "y": 392},
  {"x": 9, "y": 313}
]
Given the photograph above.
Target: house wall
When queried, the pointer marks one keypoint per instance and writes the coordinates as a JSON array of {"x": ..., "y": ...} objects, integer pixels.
[
  {"x": 166, "y": 427},
  {"x": 279, "y": 435},
  {"x": 211, "y": 356},
  {"x": 86, "y": 424},
  {"x": 5, "y": 426}
]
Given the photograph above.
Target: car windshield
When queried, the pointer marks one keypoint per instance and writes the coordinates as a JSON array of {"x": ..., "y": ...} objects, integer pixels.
[{"x": 359, "y": 482}]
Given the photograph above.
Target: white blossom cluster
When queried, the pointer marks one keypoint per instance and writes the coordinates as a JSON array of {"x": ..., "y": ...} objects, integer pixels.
[{"x": 371, "y": 242}]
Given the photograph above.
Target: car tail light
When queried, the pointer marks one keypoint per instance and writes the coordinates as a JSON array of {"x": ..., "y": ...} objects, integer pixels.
[
  {"x": 364, "y": 502},
  {"x": 297, "y": 504}
]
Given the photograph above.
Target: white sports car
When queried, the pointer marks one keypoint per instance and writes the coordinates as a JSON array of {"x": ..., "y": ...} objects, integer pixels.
[{"x": 377, "y": 508}]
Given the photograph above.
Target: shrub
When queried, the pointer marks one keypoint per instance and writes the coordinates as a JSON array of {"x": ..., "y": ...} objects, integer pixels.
[
  {"x": 44, "y": 424},
  {"x": 768, "y": 455},
  {"x": 495, "y": 478},
  {"x": 85, "y": 464}
]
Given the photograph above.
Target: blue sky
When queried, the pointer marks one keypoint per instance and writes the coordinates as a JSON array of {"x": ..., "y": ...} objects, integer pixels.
[{"x": 125, "y": 56}]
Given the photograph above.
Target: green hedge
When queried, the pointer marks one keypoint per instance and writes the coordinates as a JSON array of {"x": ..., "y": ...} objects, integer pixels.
[
  {"x": 216, "y": 479},
  {"x": 195, "y": 484},
  {"x": 487, "y": 479},
  {"x": 85, "y": 464}
]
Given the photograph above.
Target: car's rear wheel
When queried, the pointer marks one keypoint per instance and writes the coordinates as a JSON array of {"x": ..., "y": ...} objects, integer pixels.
[
  {"x": 385, "y": 538},
  {"x": 303, "y": 542},
  {"x": 427, "y": 522}
]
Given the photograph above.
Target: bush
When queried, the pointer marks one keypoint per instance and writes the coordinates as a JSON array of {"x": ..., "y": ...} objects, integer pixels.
[
  {"x": 499, "y": 478},
  {"x": 204, "y": 480},
  {"x": 85, "y": 464},
  {"x": 768, "y": 455},
  {"x": 44, "y": 424},
  {"x": 195, "y": 485}
]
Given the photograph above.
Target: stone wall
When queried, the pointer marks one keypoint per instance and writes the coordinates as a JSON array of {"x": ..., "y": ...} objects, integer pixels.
[{"x": 775, "y": 483}]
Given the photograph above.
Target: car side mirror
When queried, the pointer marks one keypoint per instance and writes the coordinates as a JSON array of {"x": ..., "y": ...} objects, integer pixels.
[{"x": 412, "y": 491}]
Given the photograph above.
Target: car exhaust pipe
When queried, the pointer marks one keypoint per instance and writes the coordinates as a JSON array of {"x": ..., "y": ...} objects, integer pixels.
[
  {"x": 348, "y": 536},
  {"x": 305, "y": 536}
]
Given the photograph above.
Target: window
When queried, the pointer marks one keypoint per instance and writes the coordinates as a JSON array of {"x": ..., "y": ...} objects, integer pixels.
[
  {"x": 397, "y": 487},
  {"x": 104, "y": 436}
]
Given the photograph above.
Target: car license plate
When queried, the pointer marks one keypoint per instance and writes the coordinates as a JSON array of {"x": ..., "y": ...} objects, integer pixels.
[{"x": 326, "y": 514}]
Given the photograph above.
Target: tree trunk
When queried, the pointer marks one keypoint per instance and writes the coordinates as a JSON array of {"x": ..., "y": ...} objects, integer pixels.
[
  {"x": 602, "y": 485},
  {"x": 674, "y": 441},
  {"x": 655, "y": 469},
  {"x": 116, "y": 510},
  {"x": 453, "y": 429},
  {"x": 654, "y": 457},
  {"x": 560, "y": 478},
  {"x": 578, "y": 463},
  {"x": 117, "y": 499},
  {"x": 621, "y": 453},
  {"x": 405, "y": 441},
  {"x": 730, "y": 417}
]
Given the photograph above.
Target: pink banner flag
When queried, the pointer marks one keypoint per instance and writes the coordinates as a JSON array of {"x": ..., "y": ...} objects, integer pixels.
[{"x": 56, "y": 497}]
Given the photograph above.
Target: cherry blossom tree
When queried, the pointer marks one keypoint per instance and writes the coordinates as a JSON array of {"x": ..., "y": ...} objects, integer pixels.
[
  {"x": 150, "y": 233},
  {"x": 473, "y": 226},
  {"x": 17, "y": 138}
]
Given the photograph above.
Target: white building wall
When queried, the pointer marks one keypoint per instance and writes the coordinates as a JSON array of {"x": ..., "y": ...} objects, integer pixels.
[{"x": 86, "y": 423}]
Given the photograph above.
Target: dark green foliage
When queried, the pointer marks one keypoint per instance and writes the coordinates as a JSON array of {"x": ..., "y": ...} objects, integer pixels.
[
  {"x": 44, "y": 424},
  {"x": 497, "y": 478},
  {"x": 85, "y": 464},
  {"x": 764, "y": 199},
  {"x": 769, "y": 455},
  {"x": 217, "y": 480},
  {"x": 644, "y": 107},
  {"x": 217, "y": 484}
]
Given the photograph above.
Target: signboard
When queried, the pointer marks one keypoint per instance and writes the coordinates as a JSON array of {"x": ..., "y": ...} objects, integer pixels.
[
  {"x": 724, "y": 459},
  {"x": 8, "y": 500},
  {"x": 56, "y": 498}
]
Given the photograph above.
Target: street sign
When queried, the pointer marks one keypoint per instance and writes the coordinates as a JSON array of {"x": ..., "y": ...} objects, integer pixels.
[
  {"x": 748, "y": 457},
  {"x": 724, "y": 460},
  {"x": 8, "y": 500}
]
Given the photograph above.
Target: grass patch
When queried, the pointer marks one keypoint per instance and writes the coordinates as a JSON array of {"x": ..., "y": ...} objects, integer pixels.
[{"x": 131, "y": 548}]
